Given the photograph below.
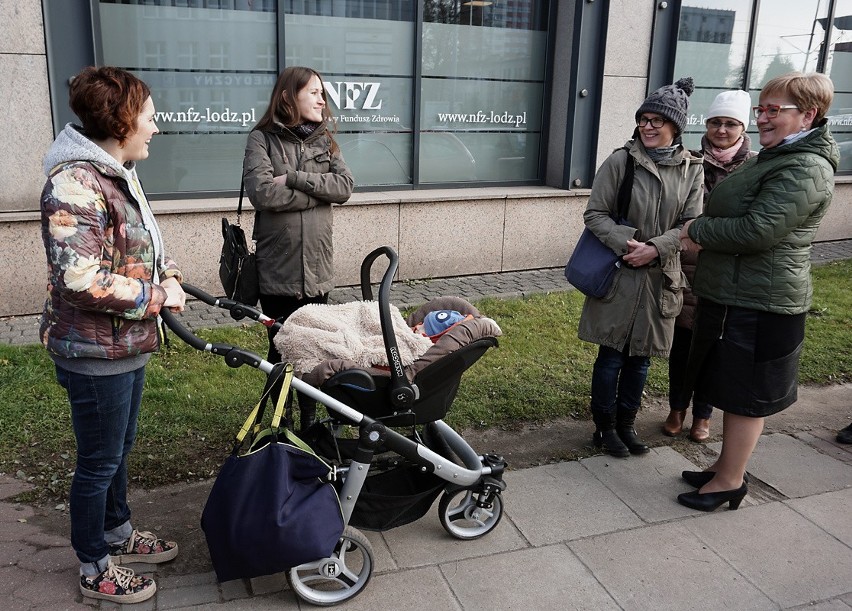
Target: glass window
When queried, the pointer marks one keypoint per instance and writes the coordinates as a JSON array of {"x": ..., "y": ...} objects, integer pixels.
[
  {"x": 211, "y": 66},
  {"x": 839, "y": 68},
  {"x": 482, "y": 90},
  {"x": 207, "y": 64},
  {"x": 365, "y": 53},
  {"x": 711, "y": 48}
]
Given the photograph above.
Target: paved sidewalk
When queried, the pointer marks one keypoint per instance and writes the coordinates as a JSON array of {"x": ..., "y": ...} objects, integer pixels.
[
  {"x": 599, "y": 533},
  {"x": 24, "y": 329}
]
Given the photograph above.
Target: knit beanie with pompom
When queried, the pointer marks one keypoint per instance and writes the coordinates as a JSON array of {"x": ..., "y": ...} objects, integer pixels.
[{"x": 671, "y": 102}]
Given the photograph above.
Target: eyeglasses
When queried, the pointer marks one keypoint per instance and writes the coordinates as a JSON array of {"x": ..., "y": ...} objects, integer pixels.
[
  {"x": 771, "y": 110},
  {"x": 729, "y": 125},
  {"x": 655, "y": 122}
]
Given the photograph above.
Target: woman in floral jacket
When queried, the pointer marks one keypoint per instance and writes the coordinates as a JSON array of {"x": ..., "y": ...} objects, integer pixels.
[{"x": 108, "y": 278}]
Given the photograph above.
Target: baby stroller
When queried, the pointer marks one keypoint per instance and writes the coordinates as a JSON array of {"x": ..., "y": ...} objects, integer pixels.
[{"x": 401, "y": 457}]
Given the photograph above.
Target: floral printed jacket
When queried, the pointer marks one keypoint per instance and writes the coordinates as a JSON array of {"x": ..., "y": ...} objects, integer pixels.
[{"x": 102, "y": 299}]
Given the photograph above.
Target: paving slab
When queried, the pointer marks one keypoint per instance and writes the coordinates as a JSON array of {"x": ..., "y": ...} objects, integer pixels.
[
  {"x": 562, "y": 502},
  {"x": 639, "y": 568},
  {"x": 279, "y": 601},
  {"x": 835, "y": 604},
  {"x": 648, "y": 484},
  {"x": 831, "y": 511},
  {"x": 425, "y": 541},
  {"x": 382, "y": 559},
  {"x": 424, "y": 589},
  {"x": 782, "y": 553},
  {"x": 550, "y": 577},
  {"x": 794, "y": 468},
  {"x": 187, "y": 596}
]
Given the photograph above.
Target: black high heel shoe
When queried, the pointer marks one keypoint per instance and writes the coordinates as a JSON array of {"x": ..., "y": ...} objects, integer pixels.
[
  {"x": 697, "y": 479},
  {"x": 711, "y": 501}
]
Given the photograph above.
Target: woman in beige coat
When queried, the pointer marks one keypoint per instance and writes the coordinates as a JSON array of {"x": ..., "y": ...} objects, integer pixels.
[{"x": 635, "y": 320}]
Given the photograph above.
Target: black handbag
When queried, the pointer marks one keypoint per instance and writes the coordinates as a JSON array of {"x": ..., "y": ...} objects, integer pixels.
[
  {"x": 593, "y": 265},
  {"x": 271, "y": 507},
  {"x": 237, "y": 265}
]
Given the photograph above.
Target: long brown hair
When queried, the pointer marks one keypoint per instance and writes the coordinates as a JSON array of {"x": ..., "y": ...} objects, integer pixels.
[{"x": 282, "y": 104}]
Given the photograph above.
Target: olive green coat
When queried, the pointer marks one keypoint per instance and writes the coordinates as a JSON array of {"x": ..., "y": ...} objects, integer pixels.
[
  {"x": 293, "y": 221},
  {"x": 642, "y": 303}
]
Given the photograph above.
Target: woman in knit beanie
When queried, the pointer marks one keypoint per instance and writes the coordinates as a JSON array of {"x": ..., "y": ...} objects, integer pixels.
[
  {"x": 635, "y": 320},
  {"x": 725, "y": 147}
]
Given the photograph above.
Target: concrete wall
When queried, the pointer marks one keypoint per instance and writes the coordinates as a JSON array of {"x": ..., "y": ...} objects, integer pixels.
[
  {"x": 437, "y": 233},
  {"x": 25, "y": 124}
]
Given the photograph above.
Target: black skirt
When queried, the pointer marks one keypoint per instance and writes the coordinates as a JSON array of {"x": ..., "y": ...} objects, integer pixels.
[{"x": 745, "y": 361}]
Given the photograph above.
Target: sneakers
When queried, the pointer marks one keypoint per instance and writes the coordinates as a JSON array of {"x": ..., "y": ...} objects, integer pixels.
[
  {"x": 118, "y": 584},
  {"x": 144, "y": 547}
]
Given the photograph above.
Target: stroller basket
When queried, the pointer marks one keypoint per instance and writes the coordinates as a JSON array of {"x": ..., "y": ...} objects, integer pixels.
[{"x": 395, "y": 497}]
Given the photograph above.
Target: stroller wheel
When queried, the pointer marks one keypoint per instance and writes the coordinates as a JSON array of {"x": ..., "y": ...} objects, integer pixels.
[
  {"x": 341, "y": 576},
  {"x": 464, "y": 519}
]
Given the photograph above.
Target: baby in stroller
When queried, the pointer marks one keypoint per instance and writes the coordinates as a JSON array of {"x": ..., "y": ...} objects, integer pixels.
[{"x": 391, "y": 451}]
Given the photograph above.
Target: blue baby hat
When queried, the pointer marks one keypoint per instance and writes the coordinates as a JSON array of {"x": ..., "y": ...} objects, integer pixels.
[{"x": 439, "y": 321}]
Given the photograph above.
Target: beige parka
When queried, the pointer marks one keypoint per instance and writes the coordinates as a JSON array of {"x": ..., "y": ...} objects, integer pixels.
[
  {"x": 293, "y": 221},
  {"x": 642, "y": 303}
]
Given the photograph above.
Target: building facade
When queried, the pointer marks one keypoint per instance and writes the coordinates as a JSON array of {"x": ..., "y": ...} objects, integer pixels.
[{"x": 473, "y": 127}]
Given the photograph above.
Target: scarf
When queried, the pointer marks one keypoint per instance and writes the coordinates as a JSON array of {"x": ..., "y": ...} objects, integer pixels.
[
  {"x": 662, "y": 153},
  {"x": 723, "y": 156},
  {"x": 303, "y": 130}
]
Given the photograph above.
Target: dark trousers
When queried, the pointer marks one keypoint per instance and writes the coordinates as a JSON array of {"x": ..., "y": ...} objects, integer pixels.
[
  {"x": 678, "y": 358},
  {"x": 617, "y": 383},
  {"x": 280, "y": 307}
]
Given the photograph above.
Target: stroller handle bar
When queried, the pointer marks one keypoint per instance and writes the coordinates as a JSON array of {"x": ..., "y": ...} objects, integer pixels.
[
  {"x": 376, "y": 431},
  {"x": 403, "y": 393},
  {"x": 234, "y": 356},
  {"x": 237, "y": 310}
]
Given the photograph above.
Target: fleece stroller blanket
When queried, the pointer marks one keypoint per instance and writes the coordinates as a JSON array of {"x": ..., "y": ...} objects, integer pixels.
[{"x": 351, "y": 331}]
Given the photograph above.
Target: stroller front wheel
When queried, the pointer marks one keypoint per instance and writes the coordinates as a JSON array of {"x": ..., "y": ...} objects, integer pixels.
[
  {"x": 341, "y": 576},
  {"x": 463, "y": 517}
]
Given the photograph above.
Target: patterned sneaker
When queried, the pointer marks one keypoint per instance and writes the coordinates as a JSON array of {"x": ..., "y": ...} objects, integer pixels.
[
  {"x": 143, "y": 547},
  {"x": 118, "y": 584}
]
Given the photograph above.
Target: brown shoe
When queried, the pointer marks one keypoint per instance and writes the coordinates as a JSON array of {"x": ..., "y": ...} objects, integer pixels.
[
  {"x": 700, "y": 430},
  {"x": 674, "y": 423}
]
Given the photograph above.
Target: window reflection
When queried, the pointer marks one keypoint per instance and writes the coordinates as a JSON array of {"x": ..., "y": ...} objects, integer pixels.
[
  {"x": 712, "y": 47},
  {"x": 839, "y": 68},
  {"x": 787, "y": 40},
  {"x": 512, "y": 14}
]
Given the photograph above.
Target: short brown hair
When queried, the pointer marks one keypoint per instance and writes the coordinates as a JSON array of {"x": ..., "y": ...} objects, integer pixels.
[
  {"x": 811, "y": 90},
  {"x": 108, "y": 101}
]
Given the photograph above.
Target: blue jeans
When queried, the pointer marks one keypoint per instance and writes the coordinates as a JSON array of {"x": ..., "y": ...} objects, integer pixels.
[
  {"x": 617, "y": 384},
  {"x": 104, "y": 410}
]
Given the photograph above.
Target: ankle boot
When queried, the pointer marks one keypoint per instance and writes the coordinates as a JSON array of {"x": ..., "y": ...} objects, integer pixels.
[
  {"x": 674, "y": 423},
  {"x": 700, "y": 430},
  {"x": 605, "y": 436},
  {"x": 627, "y": 432},
  {"x": 628, "y": 435},
  {"x": 611, "y": 443}
]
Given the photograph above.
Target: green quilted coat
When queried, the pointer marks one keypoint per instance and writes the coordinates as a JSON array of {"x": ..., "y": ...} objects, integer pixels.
[{"x": 757, "y": 228}]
